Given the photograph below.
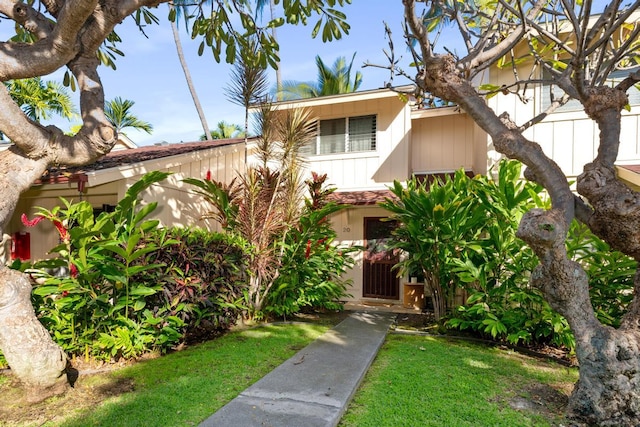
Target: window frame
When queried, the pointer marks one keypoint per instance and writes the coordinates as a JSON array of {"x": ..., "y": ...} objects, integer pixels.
[{"x": 317, "y": 148}]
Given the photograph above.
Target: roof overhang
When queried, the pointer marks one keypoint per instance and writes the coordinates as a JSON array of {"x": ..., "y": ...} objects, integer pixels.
[
  {"x": 364, "y": 95},
  {"x": 136, "y": 162},
  {"x": 629, "y": 174}
]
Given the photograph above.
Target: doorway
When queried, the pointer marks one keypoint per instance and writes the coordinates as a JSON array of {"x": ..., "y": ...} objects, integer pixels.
[{"x": 379, "y": 281}]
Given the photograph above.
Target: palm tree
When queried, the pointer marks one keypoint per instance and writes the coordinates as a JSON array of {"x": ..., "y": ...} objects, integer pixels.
[
  {"x": 225, "y": 130},
  {"x": 331, "y": 81},
  {"x": 119, "y": 115},
  {"x": 185, "y": 68},
  {"x": 39, "y": 99}
]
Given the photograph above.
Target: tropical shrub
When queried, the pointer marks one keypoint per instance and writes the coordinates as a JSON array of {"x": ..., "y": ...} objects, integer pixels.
[
  {"x": 461, "y": 232},
  {"x": 203, "y": 280},
  {"x": 436, "y": 222},
  {"x": 109, "y": 293},
  {"x": 265, "y": 208},
  {"x": 501, "y": 303},
  {"x": 493, "y": 265},
  {"x": 312, "y": 264}
]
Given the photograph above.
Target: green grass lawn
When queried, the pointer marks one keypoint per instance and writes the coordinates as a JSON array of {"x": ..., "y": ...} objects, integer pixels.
[
  {"x": 414, "y": 381},
  {"x": 426, "y": 381},
  {"x": 180, "y": 389}
]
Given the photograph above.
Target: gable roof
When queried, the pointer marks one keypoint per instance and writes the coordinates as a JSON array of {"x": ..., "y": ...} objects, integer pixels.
[{"x": 120, "y": 158}]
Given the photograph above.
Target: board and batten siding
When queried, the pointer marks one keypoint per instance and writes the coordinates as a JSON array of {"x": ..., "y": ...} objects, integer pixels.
[
  {"x": 571, "y": 138},
  {"x": 446, "y": 143},
  {"x": 178, "y": 205},
  {"x": 368, "y": 169}
]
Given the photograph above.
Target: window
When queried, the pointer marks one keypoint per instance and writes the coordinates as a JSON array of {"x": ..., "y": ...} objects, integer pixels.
[
  {"x": 345, "y": 135},
  {"x": 574, "y": 105}
]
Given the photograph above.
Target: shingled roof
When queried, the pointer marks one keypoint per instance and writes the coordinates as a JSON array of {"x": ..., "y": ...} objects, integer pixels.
[{"x": 132, "y": 156}]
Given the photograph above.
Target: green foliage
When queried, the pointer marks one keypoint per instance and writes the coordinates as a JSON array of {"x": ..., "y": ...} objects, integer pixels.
[
  {"x": 436, "y": 224},
  {"x": 331, "y": 81},
  {"x": 203, "y": 281},
  {"x": 611, "y": 274},
  {"x": 462, "y": 233},
  {"x": 39, "y": 99},
  {"x": 111, "y": 291},
  {"x": 297, "y": 263},
  {"x": 218, "y": 28},
  {"x": 118, "y": 112},
  {"x": 312, "y": 265}
]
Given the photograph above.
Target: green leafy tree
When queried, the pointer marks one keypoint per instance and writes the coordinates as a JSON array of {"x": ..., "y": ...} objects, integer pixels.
[
  {"x": 331, "y": 81},
  {"x": 77, "y": 37},
  {"x": 567, "y": 45}
]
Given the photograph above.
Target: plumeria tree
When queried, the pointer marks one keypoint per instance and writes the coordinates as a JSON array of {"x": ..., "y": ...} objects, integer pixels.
[
  {"x": 564, "y": 44},
  {"x": 77, "y": 36}
]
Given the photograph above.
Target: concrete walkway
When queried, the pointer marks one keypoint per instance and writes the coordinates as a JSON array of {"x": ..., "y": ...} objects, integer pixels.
[{"x": 314, "y": 387}]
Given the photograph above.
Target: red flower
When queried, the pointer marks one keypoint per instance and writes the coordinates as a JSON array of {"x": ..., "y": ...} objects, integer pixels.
[
  {"x": 31, "y": 223},
  {"x": 62, "y": 230},
  {"x": 73, "y": 270},
  {"x": 208, "y": 176},
  {"x": 308, "y": 251},
  {"x": 65, "y": 293}
]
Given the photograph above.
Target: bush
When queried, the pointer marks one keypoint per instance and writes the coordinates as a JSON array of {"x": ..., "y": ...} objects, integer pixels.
[
  {"x": 312, "y": 266},
  {"x": 203, "y": 280},
  {"x": 112, "y": 292}
]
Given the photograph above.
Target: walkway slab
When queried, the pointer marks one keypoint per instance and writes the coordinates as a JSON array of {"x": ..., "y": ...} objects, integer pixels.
[{"x": 314, "y": 387}]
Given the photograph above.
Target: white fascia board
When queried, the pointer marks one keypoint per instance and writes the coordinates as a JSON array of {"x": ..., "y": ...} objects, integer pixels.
[
  {"x": 436, "y": 112},
  {"x": 105, "y": 176},
  {"x": 338, "y": 99}
]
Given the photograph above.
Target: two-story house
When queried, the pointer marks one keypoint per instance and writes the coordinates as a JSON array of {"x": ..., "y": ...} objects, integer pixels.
[{"x": 365, "y": 141}]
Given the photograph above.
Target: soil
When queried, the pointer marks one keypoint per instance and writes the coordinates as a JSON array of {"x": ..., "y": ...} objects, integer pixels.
[{"x": 96, "y": 385}]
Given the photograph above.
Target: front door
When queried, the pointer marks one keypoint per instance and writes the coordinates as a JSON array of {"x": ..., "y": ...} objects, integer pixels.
[{"x": 378, "y": 280}]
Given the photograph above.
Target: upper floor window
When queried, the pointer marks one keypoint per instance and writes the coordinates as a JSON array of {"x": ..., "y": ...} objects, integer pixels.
[
  {"x": 615, "y": 77},
  {"x": 345, "y": 135}
]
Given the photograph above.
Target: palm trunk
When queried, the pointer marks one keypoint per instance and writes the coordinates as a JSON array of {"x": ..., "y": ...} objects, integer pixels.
[
  {"x": 187, "y": 76},
  {"x": 33, "y": 356}
]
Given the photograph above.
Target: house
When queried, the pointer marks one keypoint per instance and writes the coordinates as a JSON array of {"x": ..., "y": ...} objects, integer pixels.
[
  {"x": 368, "y": 139},
  {"x": 365, "y": 141},
  {"x": 106, "y": 181}
]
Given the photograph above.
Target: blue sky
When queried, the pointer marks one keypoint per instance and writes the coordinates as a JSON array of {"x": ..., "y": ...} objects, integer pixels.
[{"x": 151, "y": 76}]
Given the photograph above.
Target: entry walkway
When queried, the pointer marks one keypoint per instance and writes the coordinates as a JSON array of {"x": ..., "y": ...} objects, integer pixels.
[{"x": 314, "y": 387}]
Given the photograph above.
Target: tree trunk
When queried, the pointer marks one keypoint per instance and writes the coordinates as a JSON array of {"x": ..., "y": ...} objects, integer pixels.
[
  {"x": 187, "y": 76},
  {"x": 437, "y": 294},
  {"x": 33, "y": 356},
  {"x": 608, "y": 391}
]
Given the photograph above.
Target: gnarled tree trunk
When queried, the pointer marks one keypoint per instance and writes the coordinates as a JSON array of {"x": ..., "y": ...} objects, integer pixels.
[{"x": 33, "y": 356}]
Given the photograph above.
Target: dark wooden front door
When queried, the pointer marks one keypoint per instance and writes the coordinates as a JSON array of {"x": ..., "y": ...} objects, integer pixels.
[{"x": 378, "y": 280}]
